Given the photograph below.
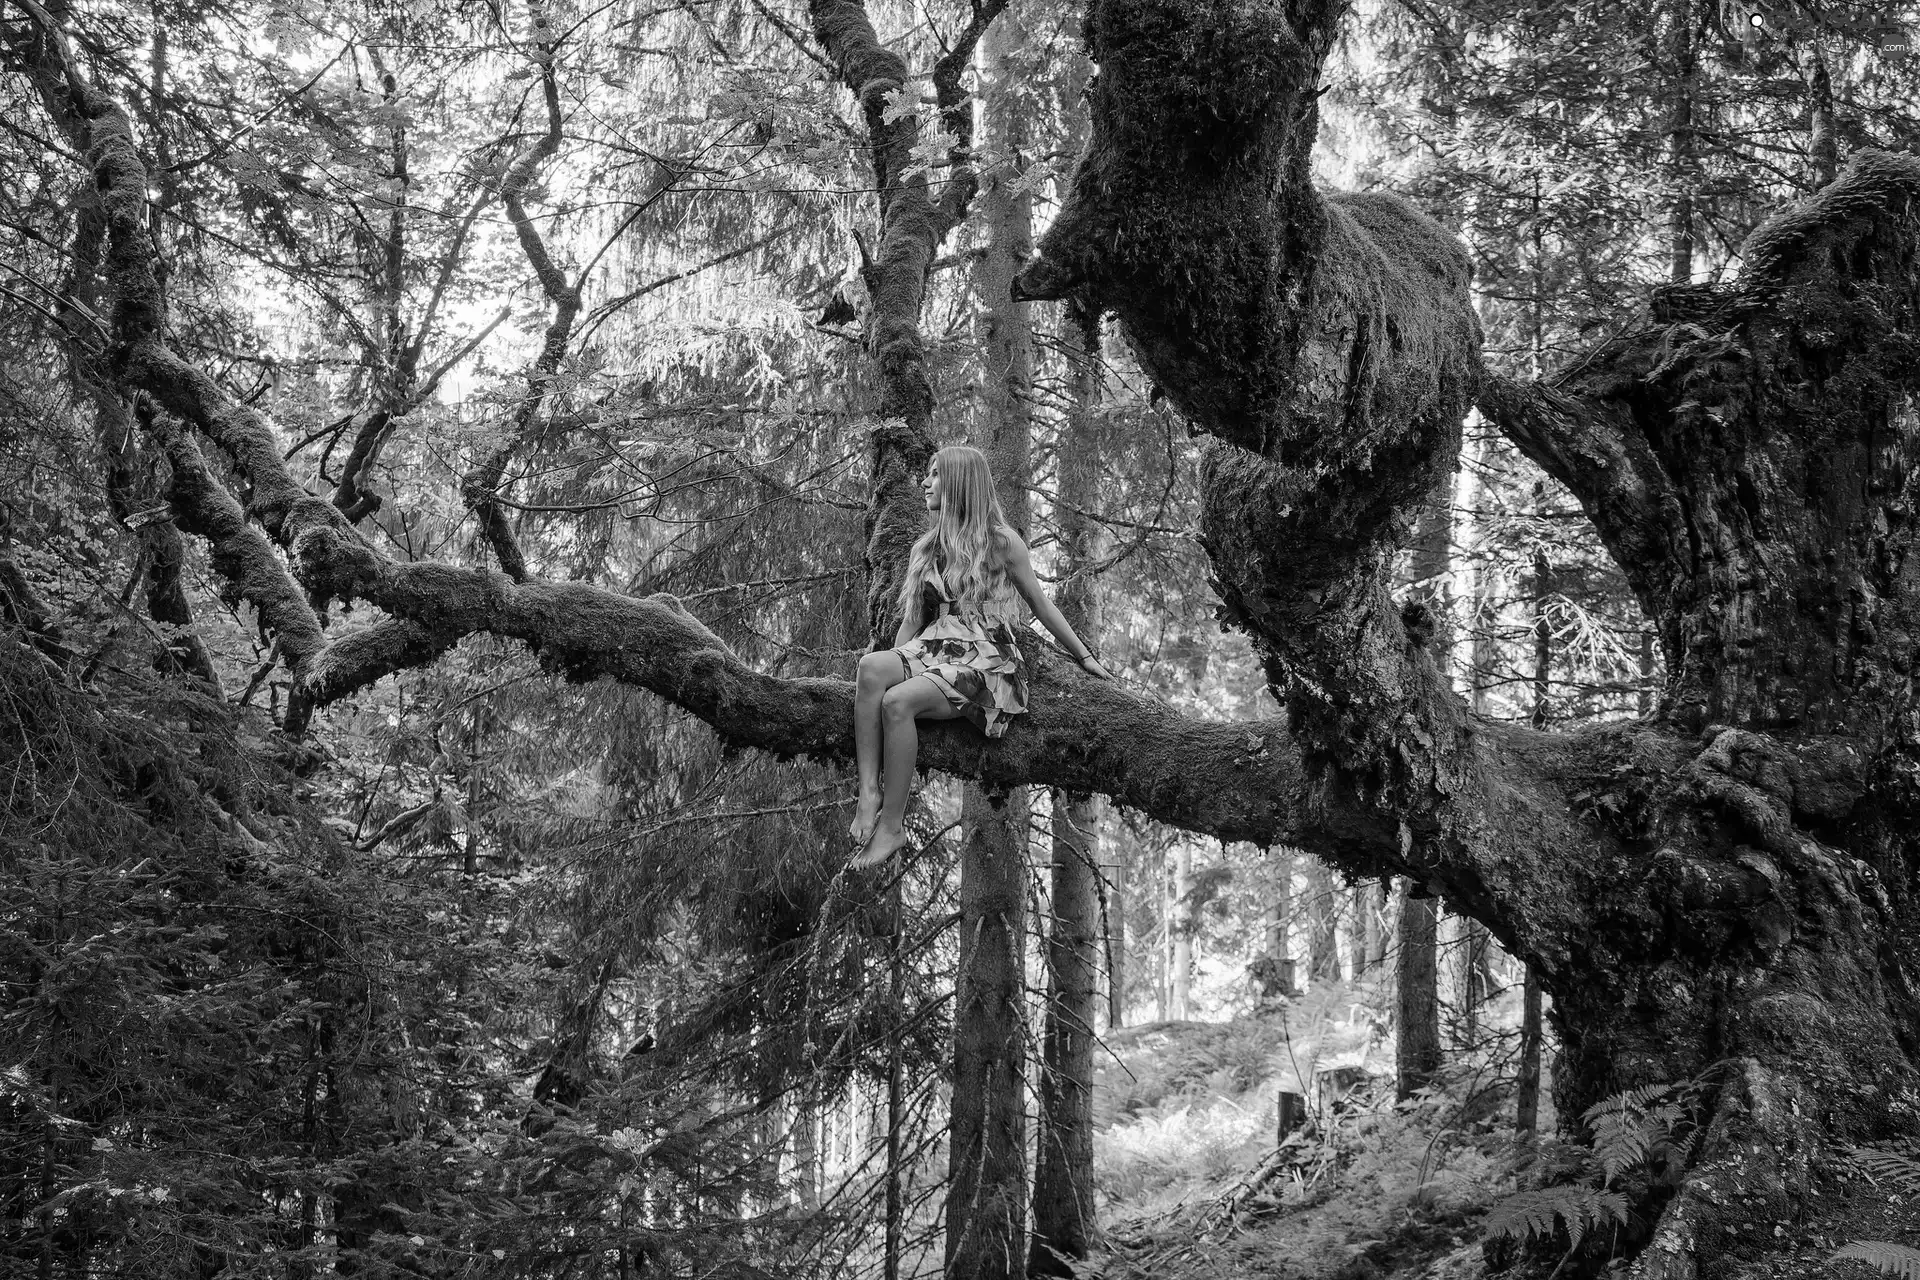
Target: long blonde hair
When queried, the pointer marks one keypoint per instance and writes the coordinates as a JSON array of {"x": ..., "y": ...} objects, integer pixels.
[{"x": 961, "y": 537}]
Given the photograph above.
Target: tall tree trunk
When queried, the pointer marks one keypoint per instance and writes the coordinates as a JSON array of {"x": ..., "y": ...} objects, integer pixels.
[
  {"x": 1541, "y": 592},
  {"x": 1182, "y": 923},
  {"x": 1323, "y": 924},
  {"x": 1527, "y": 1089},
  {"x": 1527, "y": 1092},
  {"x": 1162, "y": 1004},
  {"x": 1682, "y": 170},
  {"x": 987, "y": 1198},
  {"x": 1276, "y": 976},
  {"x": 1475, "y": 979},
  {"x": 896, "y": 1099},
  {"x": 1416, "y": 975},
  {"x": 1114, "y": 909},
  {"x": 1359, "y": 929},
  {"x": 1379, "y": 927},
  {"x": 1417, "y": 967},
  {"x": 1823, "y": 145},
  {"x": 987, "y": 1186},
  {"x": 1064, "y": 1226}
]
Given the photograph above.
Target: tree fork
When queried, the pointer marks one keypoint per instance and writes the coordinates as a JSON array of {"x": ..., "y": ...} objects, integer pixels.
[
  {"x": 913, "y": 224},
  {"x": 1697, "y": 887},
  {"x": 1735, "y": 877}
]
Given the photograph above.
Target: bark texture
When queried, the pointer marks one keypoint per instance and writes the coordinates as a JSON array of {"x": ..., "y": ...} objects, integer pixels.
[
  {"x": 987, "y": 1183},
  {"x": 1729, "y": 881},
  {"x": 1064, "y": 1224},
  {"x": 914, "y": 221},
  {"x": 1416, "y": 1025},
  {"x": 987, "y": 1195},
  {"x": 1732, "y": 878}
]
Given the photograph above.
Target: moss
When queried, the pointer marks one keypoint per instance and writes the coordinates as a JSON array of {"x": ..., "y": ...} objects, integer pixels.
[
  {"x": 1877, "y": 184},
  {"x": 1189, "y": 80}
]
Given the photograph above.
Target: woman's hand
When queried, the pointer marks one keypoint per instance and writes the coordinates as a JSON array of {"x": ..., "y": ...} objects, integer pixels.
[{"x": 1091, "y": 665}]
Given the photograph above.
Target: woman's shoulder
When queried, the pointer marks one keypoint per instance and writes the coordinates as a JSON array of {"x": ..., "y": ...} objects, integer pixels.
[
  {"x": 1008, "y": 547},
  {"x": 1007, "y": 542}
]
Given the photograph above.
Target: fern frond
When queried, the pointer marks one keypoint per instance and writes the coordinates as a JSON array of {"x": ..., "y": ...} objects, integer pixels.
[
  {"x": 1597, "y": 1211},
  {"x": 1621, "y": 1141},
  {"x": 1640, "y": 1099},
  {"x": 1891, "y": 1259},
  {"x": 1532, "y": 1215},
  {"x": 1527, "y": 1215},
  {"x": 1887, "y": 1166},
  {"x": 1631, "y": 1127}
]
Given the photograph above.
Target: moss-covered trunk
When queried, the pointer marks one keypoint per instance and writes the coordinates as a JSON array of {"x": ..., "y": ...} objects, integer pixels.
[
  {"x": 1724, "y": 890},
  {"x": 1728, "y": 884}
]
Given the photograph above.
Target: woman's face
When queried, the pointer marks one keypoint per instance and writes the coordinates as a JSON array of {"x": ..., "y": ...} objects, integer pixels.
[{"x": 931, "y": 486}]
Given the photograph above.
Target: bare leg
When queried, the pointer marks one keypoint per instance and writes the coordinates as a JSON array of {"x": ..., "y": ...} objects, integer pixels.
[
  {"x": 900, "y": 706},
  {"x": 879, "y": 672}
]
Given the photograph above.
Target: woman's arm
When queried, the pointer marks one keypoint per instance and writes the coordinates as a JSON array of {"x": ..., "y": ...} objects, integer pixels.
[{"x": 1020, "y": 569}]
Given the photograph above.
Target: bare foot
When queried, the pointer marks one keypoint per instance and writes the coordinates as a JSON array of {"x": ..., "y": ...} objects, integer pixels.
[
  {"x": 885, "y": 842},
  {"x": 866, "y": 812}
]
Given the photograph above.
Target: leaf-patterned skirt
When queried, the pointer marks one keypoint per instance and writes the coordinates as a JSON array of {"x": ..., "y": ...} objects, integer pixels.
[{"x": 976, "y": 663}]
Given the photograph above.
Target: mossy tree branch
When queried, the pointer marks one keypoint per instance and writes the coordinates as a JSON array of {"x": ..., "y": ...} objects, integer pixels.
[
  {"x": 1743, "y": 450},
  {"x": 1234, "y": 781},
  {"x": 1746, "y": 462},
  {"x": 1327, "y": 341}
]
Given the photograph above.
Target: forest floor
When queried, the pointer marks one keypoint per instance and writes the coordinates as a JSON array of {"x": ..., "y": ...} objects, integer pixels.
[{"x": 1195, "y": 1181}]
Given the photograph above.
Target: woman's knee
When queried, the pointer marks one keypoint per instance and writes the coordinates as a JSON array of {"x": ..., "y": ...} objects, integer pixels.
[
  {"x": 881, "y": 669},
  {"x": 900, "y": 703}
]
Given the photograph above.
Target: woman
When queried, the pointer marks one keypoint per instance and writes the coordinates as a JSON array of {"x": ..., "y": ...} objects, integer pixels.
[{"x": 955, "y": 654}]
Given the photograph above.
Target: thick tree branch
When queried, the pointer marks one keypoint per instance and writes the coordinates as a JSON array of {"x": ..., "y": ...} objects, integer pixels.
[
  {"x": 361, "y": 658},
  {"x": 240, "y": 552},
  {"x": 160, "y": 550},
  {"x": 956, "y": 112},
  {"x": 1237, "y": 782},
  {"x": 1712, "y": 436},
  {"x": 1328, "y": 341}
]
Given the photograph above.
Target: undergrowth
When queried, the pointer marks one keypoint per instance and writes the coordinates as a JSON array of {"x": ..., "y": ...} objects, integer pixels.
[
  {"x": 1195, "y": 1183},
  {"x": 1641, "y": 1142},
  {"x": 1884, "y": 1255}
]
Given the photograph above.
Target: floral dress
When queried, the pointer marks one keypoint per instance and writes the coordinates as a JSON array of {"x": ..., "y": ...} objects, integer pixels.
[{"x": 971, "y": 656}]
